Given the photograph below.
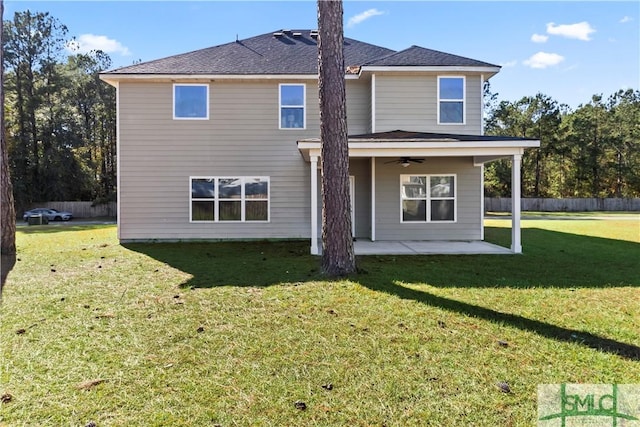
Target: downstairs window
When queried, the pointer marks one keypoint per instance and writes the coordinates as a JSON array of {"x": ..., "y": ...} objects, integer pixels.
[
  {"x": 229, "y": 199},
  {"x": 428, "y": 198}
]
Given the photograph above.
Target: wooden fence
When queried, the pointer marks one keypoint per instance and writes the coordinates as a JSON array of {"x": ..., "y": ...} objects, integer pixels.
[
  {"x": 81, "y": 209},
  {"x": 491, "y": 204},
  {"x": 503, "y": 204}
]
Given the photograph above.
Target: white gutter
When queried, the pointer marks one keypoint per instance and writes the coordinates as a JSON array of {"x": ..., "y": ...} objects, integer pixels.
[{"x": 113, "y": 78}]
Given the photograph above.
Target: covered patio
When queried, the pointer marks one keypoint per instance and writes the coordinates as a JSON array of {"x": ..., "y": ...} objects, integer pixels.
[{"x": 481, "y": 149}]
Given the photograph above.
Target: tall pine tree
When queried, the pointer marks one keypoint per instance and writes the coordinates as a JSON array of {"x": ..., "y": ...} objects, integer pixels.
[{"x": 338, "y": 257}]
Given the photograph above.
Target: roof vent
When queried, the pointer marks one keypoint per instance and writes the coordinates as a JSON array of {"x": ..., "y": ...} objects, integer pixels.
[
  {"x": 314, "y": 34},
  {"x": 277, "y": 34},
  {"x": 297, "y": 34}
]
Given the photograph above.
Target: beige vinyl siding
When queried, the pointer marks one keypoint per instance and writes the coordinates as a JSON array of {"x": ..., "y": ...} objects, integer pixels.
[
  {"x": 468, "y": 209},
  {"x": 410, "y": 102},
  {"x": 358, "y": 93},
  {"x": 361, "y": 170},
  {"x": 241, "y": 138},
  {"x": 158, "y": 155}
]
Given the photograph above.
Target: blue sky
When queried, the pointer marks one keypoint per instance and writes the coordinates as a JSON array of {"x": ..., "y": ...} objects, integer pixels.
[{"x": 567, "y": 50}]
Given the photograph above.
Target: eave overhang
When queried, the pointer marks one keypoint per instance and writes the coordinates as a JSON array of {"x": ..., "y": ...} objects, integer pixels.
[
  {"x": 113, "y": 78},
  {"x": 350, "y": 74},
  {"x": 482, "y": 151},
  {"x": 487, "y": 71}
]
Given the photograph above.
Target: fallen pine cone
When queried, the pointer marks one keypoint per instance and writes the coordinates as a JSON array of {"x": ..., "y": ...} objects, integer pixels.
[
  {"x": 504, "y": 387},
  {"x": 89, "y": 384}
]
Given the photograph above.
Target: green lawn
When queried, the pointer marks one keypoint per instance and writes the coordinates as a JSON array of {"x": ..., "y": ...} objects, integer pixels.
[
  {"x": 234, "y": 334},
  {"x": 560, "y": 215}
]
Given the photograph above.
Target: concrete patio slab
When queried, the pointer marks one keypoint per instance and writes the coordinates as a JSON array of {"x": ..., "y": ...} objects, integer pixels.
[{"x": 367, "y": 247}]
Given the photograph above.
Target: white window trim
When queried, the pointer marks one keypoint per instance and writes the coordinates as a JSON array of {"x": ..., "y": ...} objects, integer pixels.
[
  {"x": 303, "y": 106},
  {"x": 429, "y": 198},
  {"x": 174, "y": 101},
  {"x": 216, "y": 200},
  {"x": 464, "y": 100}
]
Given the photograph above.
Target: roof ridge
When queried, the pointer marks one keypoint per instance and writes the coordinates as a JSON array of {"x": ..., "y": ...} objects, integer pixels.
[
  {"x": 178, "y": 55},
  {"x": 286, "y": 51},
  {"x": 450, "y": 54},
  {"x": 424, "y": 50},
  {"x": 380, "y": 58}
]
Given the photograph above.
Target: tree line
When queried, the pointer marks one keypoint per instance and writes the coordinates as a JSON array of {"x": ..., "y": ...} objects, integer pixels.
[
  {"x": 592, "y": 151},
  {"x": 61, "y": 128},
  {"x": 60, "y": 118}
]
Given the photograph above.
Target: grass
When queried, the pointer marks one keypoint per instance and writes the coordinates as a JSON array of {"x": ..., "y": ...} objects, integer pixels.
[
  {"x": 563, "y": 215},
  {"x": 234, "y": 334}
]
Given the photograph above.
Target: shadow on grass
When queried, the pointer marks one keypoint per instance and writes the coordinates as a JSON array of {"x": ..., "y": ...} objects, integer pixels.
[
  {"x": 250, "y": 264},
  {"x": 547, "y": 330},
  {"x": 551, "y": 259}
]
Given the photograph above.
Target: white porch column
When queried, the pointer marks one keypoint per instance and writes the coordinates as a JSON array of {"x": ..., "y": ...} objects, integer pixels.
[
  {"x": 516, "y": 242},
  {"x": 373, "y": 199},
  {"x": 482, "y": 201},
  {"x": 314, "y": 206}
]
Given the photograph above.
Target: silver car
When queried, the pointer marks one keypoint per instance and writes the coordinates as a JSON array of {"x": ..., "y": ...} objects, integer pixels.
[{"x": 50, "y": 214}]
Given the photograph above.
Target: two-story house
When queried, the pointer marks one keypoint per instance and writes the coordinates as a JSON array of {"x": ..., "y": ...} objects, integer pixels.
[{"x": 223, "y": 143}]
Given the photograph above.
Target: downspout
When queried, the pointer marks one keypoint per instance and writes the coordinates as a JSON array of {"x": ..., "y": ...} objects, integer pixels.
[
  {"x": 118, "y": 163},
  {"x": 373, "y": 103},
  {"x": 481, "y": 104}
]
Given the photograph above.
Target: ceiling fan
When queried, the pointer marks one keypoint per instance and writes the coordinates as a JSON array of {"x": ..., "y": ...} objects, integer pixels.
[{"x": 405, "y": 161}]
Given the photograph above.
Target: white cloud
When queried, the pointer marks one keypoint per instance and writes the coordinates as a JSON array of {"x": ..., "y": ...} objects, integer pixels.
[
  {"x": 580, "y": 31},
  {"x": 509, "y": 64},
  {"x": 539, "y": 38},
  {"x": 543, "y": 60},
  {"x": 355, "y": 20},
  {"x": 626, "y": 19},
  {"x": 88, "y": 42}
]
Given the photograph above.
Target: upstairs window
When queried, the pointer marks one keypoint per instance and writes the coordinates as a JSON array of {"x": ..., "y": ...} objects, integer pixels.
[
  {"x": 292, "y": 101},
  {"x": 190, "y": 102},
  {"x": 451, "y": 100}
]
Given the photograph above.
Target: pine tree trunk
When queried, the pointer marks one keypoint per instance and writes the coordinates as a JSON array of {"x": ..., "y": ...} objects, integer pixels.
[
  {"x": 338, "y": 258},
  {"x": 8, "y": 216}
]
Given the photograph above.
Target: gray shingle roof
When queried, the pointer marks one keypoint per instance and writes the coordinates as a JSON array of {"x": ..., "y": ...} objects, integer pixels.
[
  {"x": 264, "y": 54},
  {"x": 288, "y": 52},
  {"x": 416, "y": 56}
]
